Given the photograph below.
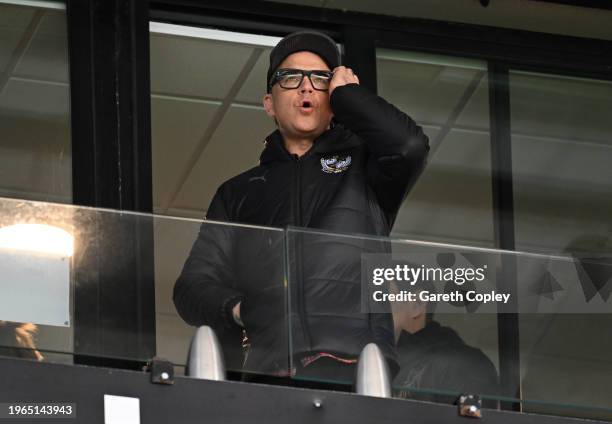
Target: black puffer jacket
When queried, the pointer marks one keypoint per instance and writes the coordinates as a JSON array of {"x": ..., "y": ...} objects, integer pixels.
[{"x": 352, "y": 180}]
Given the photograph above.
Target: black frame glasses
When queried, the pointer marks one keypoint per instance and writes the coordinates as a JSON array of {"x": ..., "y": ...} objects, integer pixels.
[{"x": 288, "y": 78}]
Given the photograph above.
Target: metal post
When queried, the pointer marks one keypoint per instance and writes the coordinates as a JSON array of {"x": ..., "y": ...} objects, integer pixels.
[
  {"x": 205, "y": 356},
  {"x": 373, "y": 373},
  {"x": 503, "y": 218}
]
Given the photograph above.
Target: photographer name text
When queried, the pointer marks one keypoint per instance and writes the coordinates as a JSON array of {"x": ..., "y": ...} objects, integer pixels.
[{"x": 455, "y": 296}]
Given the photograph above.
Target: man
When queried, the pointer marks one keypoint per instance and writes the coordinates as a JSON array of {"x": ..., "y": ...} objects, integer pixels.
[
  {"x": 434, "y": 358},
  {"x": 342, "y": 160}
]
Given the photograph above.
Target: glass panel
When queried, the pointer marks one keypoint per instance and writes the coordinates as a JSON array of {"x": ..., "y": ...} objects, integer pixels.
[
  {"x": 35, "y": 146},
  {"x": 225, "y": 264},
  {"x": 327, "y": 327},
  {"x": 311, "y": 319},
  {"x": 332, "y": 316},
  {"x": 206, "y": 94},
  {"x": 451, "y": 201},
  {"x": 50, "y": 253},
  {"x": 561, "y": 155},
  {"x": 431, "y": 309}
]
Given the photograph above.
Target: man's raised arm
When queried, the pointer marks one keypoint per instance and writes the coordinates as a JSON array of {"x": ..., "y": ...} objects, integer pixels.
[{"x": 398, "y": 148}]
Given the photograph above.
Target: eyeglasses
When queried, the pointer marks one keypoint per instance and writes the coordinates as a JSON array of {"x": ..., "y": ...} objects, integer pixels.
[{"x": 292, "y": 78}]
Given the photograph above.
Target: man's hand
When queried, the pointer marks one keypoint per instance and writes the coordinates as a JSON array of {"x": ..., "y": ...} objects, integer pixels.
[{"x": 342, "y": 76}]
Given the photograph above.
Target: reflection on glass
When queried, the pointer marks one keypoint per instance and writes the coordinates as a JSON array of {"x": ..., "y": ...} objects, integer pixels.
[
  {"x": 436, "y": 363},
  {"x": 17, "y": 340},
  {"x": 36, "y": 246},
  {"x": 423, "y": 350},
  {"x": 449, "y": 97},
  {"x": 35, "y": 146},
  {"x": 37, "y": 238},
  {"x": 562, "y": 179},
  {"x": 561, "y": 161},
  {"x": 451, "y": 202}
]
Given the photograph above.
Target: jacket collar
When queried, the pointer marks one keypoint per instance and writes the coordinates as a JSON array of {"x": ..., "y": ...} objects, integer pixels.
[{"x": 335, "y": 139}]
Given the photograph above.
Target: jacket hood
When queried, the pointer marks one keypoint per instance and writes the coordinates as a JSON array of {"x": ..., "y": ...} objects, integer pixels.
[{"x": 335, "y": 139}]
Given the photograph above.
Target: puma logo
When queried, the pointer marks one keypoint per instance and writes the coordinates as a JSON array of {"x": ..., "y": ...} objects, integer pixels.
[{"x": 262, "y": 178}]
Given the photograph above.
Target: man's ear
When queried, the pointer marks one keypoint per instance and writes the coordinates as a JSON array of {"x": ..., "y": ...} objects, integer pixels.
[{"x": 268, "y": 104}]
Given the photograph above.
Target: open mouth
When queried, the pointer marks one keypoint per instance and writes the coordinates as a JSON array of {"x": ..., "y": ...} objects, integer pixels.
[{"x": 306, "y": 104}]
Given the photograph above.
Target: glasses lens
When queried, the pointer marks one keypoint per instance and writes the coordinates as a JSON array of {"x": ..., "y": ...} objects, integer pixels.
[
  {"x": 290, "y": 80},
  {"x": 320, "y": 81}
]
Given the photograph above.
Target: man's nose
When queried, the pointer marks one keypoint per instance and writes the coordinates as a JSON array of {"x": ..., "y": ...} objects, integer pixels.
[{"x": 306, "y": 85}]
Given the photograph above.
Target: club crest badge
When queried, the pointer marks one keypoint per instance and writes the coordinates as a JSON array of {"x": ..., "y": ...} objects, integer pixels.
[{"x": 335, "y": 164}]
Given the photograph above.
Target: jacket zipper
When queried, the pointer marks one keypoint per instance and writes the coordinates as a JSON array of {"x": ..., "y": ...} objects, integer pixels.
[{"x": 299, "y": 251}]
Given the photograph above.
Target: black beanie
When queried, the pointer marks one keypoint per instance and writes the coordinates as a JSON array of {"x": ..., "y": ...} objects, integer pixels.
[{"x": 310, "y": 41}]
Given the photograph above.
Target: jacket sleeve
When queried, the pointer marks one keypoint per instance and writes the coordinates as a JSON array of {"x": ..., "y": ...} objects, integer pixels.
[
  {"x": 396, "y": 144},
  {"x": 206, "y": 290}
]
